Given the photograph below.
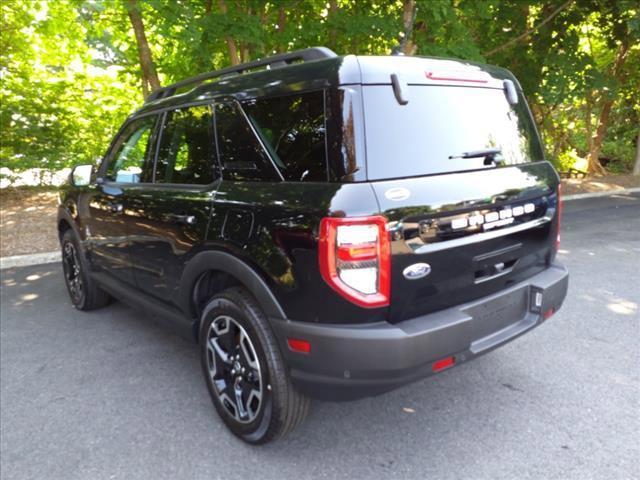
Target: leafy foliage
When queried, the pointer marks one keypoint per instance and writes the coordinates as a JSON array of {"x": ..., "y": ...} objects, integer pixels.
[
  {"x": 58, "y": 107},
  {"x": 71, "y": 70}
]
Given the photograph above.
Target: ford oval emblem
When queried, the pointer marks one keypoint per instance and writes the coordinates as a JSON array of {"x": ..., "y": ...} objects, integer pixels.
[
  {"x": 416, "y": 271},
  {"x": 397, "y": 194}
]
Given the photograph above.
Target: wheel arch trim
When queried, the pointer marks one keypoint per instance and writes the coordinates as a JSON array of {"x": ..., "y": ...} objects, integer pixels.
[
  {"x": 65, "y": 216},
  {"x": 232, "y": 265}
]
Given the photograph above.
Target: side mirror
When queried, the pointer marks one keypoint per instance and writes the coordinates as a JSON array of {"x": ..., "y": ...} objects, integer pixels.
[{"x": 81, "y": 175}]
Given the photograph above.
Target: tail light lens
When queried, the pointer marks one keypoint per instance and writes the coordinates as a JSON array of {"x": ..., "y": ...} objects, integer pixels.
[
  {"x": 559, "y": 216},
  {"x": 354, "y": 255}
]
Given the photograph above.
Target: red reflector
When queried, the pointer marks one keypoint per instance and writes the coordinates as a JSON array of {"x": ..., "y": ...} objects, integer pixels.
[
  {"x": 297, "y": 345},
  {"x": 444, "y": 363},
  {"x": 548, "y": 313}
]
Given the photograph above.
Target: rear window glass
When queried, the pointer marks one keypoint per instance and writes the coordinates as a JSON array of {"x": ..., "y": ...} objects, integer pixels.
[
  {"x": 186, "y": 153},
  {"x": 431, "y": 133},
  {"x": 292, "y": 128}
]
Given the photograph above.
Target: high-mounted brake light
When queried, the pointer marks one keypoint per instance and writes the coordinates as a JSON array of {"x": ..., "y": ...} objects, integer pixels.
[
  {"x": 559, "y": 216},
  {"x": 355, "y": 259},
  {"x": 451, "y": 78}
]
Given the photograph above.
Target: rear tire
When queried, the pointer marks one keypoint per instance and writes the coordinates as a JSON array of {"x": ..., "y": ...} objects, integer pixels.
[
  {"x": 84, "y": 292},
  {"x": 244, "y": 370}
]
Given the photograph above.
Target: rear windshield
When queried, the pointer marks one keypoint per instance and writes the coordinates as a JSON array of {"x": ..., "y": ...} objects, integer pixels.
[{"x": 432, "y": 132}]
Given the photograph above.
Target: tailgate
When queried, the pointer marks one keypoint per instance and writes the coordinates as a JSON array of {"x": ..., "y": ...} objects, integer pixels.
[{"x": 478, "y": 231}]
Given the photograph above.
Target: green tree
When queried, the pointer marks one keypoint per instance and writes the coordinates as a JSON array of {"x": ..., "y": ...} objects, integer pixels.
[
  {"x": 72, "y": 70},
  {"x": 57, "y": 106}
]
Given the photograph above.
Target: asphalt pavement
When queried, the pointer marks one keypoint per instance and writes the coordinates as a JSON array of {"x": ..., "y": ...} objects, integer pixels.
[{"x": 114, "y": 395}]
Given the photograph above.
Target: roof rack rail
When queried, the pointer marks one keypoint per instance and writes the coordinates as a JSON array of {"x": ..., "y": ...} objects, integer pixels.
[{"x": 275, "y": 61}]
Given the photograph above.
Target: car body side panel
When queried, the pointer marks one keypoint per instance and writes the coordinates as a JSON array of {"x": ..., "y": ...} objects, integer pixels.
[
  {"x": 167, "y": 226},
  {"x": 275, "y": 227},
  {"x": 99, "y": 224}
]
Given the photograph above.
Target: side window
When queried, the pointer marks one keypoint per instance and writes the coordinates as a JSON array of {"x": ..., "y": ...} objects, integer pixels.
[
  {"x": 187, "y": 146},
  {"x": 132, "y": 161},
  {"x": 241, "y": 155},
  {"x": 293, "y": 126}
]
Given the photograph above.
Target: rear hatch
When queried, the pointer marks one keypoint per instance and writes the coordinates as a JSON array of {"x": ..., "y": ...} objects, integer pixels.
[{"x": 458, "y": 170}]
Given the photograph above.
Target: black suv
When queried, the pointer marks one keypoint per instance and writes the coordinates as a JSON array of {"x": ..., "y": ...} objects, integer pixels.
[{"x": 323, "y": 226}]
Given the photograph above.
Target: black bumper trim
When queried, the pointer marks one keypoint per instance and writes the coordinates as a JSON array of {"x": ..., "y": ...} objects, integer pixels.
[{"x": 353, "y": 361}]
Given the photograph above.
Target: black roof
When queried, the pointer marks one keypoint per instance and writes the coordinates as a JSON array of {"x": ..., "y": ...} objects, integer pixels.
[{"x": 317, "y": 68}]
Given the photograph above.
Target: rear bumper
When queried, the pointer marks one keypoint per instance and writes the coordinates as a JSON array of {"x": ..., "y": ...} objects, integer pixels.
[{"x": 353, "y": 361}]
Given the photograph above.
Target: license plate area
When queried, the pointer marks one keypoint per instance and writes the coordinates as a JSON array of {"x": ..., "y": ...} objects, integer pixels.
[{"x": 499, "y": 313}]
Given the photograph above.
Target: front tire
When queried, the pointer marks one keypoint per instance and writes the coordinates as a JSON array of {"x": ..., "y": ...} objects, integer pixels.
[
  {"x": 84, "y": 292},
  {"x": 244, "y": 370}
]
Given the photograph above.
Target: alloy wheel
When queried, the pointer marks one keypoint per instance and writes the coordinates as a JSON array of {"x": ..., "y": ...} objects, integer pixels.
[
  {"x": 234, "y": 369},
  {"x": 72, "y": 271}
]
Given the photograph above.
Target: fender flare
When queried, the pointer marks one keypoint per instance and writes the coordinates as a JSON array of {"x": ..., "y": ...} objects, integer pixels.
[
  {"x": 227, "y": 263},
  {"x": 64, "y": 214}
]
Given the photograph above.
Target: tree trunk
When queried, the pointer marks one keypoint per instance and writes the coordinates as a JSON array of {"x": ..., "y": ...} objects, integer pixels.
[
  {"x": 588, "y": 123},
  {"x": 234, "y": 54},
  {"x": 636, "y": 167},
  {"x": 596, "y": 145},
  {"x": 407, "y": 46},
  {"x": 149, "y": 73},
  {"x": 245, "y": 56},
  {"x": 603, "y": 120},
  {"x": 333, "y": 33},
  {"x": 145, "y": 88},
  {"x": 233, "y": 50},
  {"x": 282, "y": 23},
  {"x": 245, "y": 47}
]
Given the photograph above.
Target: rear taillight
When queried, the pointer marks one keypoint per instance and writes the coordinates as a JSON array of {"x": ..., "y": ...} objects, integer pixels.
[
  {"x": 559, "y": 216},
  {"x": 355, "y": 260}
]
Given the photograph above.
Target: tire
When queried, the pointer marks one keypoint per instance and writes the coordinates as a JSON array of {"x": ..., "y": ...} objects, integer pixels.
[
  {"x": 228, "y": 320},
  {"x": 84, "y": 292}
]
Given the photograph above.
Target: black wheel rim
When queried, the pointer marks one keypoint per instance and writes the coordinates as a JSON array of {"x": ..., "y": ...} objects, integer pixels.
[
  {"x": 234, "y": 369},
  {"x": 72, "y": 273}
]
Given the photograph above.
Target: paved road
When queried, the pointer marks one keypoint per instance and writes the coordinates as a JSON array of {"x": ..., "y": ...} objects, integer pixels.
[{"x": 112, "y": 394}]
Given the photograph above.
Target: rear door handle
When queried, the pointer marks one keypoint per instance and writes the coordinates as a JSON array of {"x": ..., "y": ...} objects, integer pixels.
[{"x": 186, "y": 219}]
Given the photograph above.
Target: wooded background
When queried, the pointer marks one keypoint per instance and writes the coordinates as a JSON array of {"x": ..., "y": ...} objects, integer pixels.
[{"x": 72, "y": 70}]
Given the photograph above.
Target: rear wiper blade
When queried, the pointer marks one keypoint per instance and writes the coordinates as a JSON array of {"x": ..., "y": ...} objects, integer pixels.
[{"x": 488, "y": 153}]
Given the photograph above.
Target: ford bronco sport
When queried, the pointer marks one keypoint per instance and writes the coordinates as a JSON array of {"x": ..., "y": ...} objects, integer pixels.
[{"x": 323, "y": 226}]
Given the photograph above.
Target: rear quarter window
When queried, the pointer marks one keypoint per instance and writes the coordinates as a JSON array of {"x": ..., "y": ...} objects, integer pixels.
[
  {"x": 293, "y": 130},
  {"x": 439, "y": 124},
  {"x": 241, "y": 155}
]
